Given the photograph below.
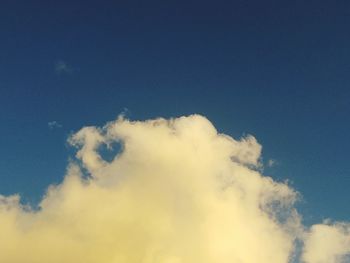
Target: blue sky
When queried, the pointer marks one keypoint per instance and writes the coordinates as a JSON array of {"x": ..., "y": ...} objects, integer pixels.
[{"x": 278, "y": 70}]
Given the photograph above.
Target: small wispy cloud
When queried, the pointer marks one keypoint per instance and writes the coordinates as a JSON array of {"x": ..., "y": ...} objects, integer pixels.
[
  {"x": 62, "y": 67},
  {"x": 53, "y": 125},
  {"x": 271, "y": 163}
]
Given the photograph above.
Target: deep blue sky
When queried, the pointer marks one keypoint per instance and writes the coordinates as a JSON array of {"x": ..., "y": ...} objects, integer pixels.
[{"x": 276, "y": 69}]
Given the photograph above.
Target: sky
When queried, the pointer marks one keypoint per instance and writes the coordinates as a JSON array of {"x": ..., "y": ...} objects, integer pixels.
[{"x": 277, "y": 70}]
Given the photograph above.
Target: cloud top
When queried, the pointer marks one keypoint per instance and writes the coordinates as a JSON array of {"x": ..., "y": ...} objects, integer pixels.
[{"x": 178, "y": 192}]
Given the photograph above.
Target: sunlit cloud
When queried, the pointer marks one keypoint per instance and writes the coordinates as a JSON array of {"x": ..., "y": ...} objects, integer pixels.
[
  {"x": 177, "y": 192},
  {"x": 327, "y": 243}
]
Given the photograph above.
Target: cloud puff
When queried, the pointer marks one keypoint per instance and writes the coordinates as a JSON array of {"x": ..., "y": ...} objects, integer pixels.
[
  {"x": 61, "y": 67},
  {"x": 326, "y": 243},
  {"x": 178, "y": 192},
  {"x": 54, "y": 124},
  {"x": 271, "y": 163}
]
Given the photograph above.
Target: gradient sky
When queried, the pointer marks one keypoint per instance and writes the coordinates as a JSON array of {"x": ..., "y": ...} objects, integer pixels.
[{"x": 278, "y": 70}]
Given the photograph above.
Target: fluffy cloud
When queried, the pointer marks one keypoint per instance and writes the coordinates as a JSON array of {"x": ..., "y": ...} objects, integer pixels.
[
  {"x": 326, "y": 243},
  {"x": 178, "y": 192}
]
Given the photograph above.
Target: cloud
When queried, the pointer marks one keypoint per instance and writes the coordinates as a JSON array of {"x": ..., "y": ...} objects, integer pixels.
[
  {"x": 178, "y": 192},
  {"x": 53, "y": 125},
  {"x": 61, "y": 67},
  {"x": 271, "y": 163},
  {"x": 327, "y": 243}
]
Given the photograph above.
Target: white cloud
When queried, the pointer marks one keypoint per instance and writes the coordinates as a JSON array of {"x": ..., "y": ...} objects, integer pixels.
[
  {"x": 271, "y": 163},
  {"x": 61, "y": 67},
  {"x": 179, "y": 192},
  {"x": 327, "y": 243},
  {"x": 54, "y": 124}
]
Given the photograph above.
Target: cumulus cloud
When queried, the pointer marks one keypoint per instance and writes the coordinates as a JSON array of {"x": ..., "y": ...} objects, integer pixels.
[
  {"x": 178, "y": 192},
  {"x": 327, "y": 243}
]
